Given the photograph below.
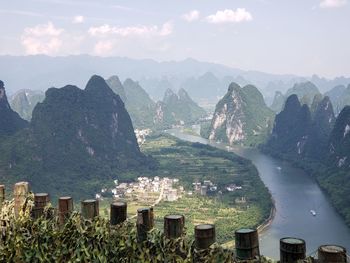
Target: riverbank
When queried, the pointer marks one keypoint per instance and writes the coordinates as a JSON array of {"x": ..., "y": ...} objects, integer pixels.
[
  {"x": 320, "y": 173},
  {"x": 266, "y": 224},
  {"x": 295, "y": 194},
  {"x": 260, "y": 228},
  {"x": 245, "y": 207}
]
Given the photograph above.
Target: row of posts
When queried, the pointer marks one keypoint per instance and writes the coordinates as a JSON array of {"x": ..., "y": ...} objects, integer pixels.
[{"x": 246, "y": 240}]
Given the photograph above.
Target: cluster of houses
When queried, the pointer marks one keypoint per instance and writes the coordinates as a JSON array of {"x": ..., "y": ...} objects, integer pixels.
[
  {"x": 233, "y": 187},
  {"x": 209, "y": 188},
  {"x": 141, "y": 135},
  {"x": 167, "y": 188},
  {"x": 204, "y": 188}
]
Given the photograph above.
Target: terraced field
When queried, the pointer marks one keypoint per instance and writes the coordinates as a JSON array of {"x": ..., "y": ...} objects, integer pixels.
[{"x": 190, "y": 162}]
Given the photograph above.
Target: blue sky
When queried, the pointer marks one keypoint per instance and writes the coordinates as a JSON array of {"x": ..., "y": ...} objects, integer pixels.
[{"x": 278, "y": 36}]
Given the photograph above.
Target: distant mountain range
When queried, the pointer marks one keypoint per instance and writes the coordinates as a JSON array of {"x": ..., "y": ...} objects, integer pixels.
[
  {"x": 137, "y": 102},
  {"x": 177, "y": 109},
  {"x": 202, "y": 80},
  {"x": 340, "y": 97},
  {"x": 306, "y": 91},
  {"x": 174, "y": 109}
]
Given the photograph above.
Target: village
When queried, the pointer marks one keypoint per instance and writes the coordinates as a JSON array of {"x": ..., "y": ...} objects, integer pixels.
[
  {"x": 156, "y": 189},
  {"x": 147, "y": 190}
]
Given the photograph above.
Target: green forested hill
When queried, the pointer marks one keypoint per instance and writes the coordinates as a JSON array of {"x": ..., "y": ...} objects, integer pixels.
[
  {"x": 174, "y": 109},
  {"x": 138, "y": 103},
  {"x": 77, "y": 141},
  {"x": 320, "y": 144},
  {"x": 299, "y": 133},
  {"x": 177, "y": 109},
  {"x": 10, "y": 121},
  {"x": 241, "y": 116}
]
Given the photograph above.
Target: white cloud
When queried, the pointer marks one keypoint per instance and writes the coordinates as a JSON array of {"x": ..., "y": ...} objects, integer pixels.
[
  {"x": 42, "y": 39},
  {"x": 141, "y": 31},
  {"x": 230, "y": 16},
  {"x": 332, "y": 3},
  {"x": 167, "y": 29},
  {"x": 78, "y": 19},
  {"x": 191, "y": 16},
  {"x": 103, "y": 48}
]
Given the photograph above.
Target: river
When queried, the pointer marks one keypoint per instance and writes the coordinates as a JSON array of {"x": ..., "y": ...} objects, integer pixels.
[{"x": 295, "y": 194}]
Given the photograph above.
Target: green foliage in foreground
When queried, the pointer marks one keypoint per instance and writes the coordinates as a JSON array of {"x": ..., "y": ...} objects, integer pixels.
[{"x": 80, "y": 240}]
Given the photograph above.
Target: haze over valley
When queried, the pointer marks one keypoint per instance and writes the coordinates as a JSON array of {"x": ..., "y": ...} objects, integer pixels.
[{"x": 175, "y": 132}]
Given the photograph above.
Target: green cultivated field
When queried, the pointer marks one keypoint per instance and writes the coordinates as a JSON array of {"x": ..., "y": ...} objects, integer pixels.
[
  {"x": 205, "y": 210},
  {"x": 193, "y": 161}
]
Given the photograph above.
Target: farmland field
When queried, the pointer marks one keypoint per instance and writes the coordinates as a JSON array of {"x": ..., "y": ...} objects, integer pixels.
[{"x": 191, "y": 162}]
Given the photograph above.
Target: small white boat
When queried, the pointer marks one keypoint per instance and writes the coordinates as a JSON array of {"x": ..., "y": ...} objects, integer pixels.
[
  {"x": 313, "y": 212},
  {"x": 279, "y": 168}
]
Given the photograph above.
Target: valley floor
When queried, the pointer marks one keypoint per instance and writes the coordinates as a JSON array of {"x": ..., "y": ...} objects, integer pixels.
[{"x": 238, "y": 198}]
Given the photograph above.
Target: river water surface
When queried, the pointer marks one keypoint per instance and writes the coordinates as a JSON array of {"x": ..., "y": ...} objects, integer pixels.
[{"x": 295, "y": 194}]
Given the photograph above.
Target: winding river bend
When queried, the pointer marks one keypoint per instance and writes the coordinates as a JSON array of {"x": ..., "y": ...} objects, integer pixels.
[{"x": 295, "y": 194}]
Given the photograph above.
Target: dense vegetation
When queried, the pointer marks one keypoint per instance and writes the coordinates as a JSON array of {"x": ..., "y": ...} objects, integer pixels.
[
  {"x": 78, "y": 240},
  {"x": 241, "y": 117}
]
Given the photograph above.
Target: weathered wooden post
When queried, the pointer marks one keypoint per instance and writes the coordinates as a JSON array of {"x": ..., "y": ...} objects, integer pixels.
[
  {"x": 204, "y": 235},
  {"x": 143, "y": 223},
  {"x": 151, "y": 217},
  {"x": 292, "y": 249},
  {"x": 331, "y": 254},
  {"x": 65, "y": 208},
  {"x": 247, "y": 244},
  {"x": 173, "y": 226},
  {"x": 41, "y": 200},
  {"x": 2, "y": 195},
  {"x": 20, "y": 193},
  {"x": 118, "y": 213},
  {"x": 89, "y": 208}
]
